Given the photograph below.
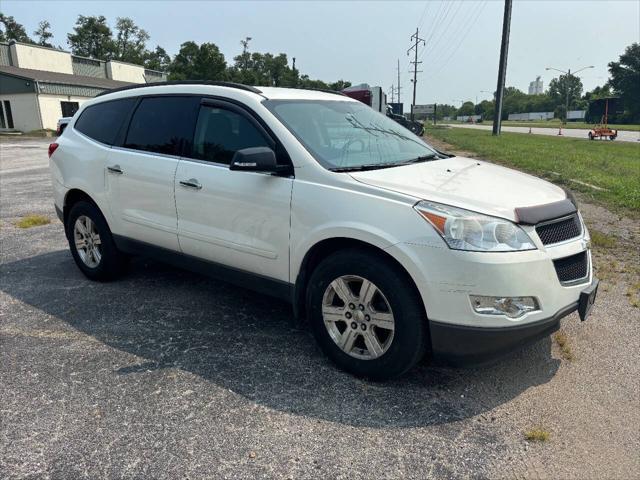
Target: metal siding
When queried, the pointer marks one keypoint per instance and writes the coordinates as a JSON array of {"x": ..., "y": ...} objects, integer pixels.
[
  {"x": 5, "y": 54},
  {"x": 72, "y": 90},
  {"x": 155, "y": 76},
  {"x": 88, "y": 67}
]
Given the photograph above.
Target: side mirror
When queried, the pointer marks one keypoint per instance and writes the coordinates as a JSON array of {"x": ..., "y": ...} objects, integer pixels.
[{"x": 254, "y": 159}]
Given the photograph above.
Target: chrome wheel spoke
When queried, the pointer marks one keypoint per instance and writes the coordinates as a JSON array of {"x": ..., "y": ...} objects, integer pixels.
[
  {"x": 382, "y": 320},
  {"x": 347, "y": 339},
  {"x": 342, "y": 290},
  {"x": 367, "y": 291},
  {"x": 333, "y": 314},
  {"x": 373, "y": 345}
]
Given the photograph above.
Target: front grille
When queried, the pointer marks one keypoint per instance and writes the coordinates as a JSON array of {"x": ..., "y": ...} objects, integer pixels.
[
  {"x": 572, "y": 268},
  {"x": 559, "y": 230}
]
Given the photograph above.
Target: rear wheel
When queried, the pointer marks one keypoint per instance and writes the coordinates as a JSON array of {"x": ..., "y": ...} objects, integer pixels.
[
  {"x": 91, "y": 243},
  {"x": 366, "y": 315}
]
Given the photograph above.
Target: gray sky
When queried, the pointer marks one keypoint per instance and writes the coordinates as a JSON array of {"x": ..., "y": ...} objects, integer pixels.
[{"x": 362, "y": 41}]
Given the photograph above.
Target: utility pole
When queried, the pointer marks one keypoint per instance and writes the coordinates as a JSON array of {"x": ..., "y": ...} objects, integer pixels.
[
  {"x": 415, "y": 38},
  {"x": 502, "y": 68},
  {"x": 398, "y": 80}
]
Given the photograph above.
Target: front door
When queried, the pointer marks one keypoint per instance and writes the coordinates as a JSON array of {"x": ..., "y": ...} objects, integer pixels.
[
  {"x": 239, "y": 219},
  {"x": 141, "y": 172}
]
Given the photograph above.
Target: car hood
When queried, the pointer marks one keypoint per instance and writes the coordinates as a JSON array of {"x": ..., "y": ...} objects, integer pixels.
[{"x": 466, "y": 183}]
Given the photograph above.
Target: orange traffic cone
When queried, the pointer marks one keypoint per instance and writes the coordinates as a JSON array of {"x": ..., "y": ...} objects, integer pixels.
[{"x": 560, "y": 131}]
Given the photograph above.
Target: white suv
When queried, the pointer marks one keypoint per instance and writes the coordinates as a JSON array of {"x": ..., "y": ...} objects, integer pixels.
[{"x": 391, "y": 249}]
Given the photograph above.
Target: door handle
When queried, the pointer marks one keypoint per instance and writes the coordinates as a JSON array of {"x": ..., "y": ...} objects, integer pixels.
[
  {"x": 191, "y": 183},
  {"x": 115, "y": 169}
]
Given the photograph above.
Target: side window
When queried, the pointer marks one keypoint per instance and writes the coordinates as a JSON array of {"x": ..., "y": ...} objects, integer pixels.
[
  {"x": 103, "y": 121},
  {"x": 69, "y": 109},
  {"x": 220, "y": 133},
  {"x": 162, "y": 124}
]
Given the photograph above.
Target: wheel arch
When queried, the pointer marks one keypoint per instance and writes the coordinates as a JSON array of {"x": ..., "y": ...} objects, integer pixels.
[
  {"x": 323, "y": 249},
  {"x": 72, "y": 197}
]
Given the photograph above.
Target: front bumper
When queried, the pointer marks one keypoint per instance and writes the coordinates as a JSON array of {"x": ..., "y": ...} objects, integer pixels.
[{"x": 460, "y": 345}]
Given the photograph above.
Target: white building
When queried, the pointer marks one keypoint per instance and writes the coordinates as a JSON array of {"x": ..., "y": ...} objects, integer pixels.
[
  {"x": 536, "y": 87},
  {"x": 38, "y": 85}
]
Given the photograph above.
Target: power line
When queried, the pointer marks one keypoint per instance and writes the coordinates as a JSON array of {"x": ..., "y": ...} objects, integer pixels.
[
  {"x": 415, "y": 37},
  {"x": 448, "y": 53},
  {"x": 458, "y": 34}
]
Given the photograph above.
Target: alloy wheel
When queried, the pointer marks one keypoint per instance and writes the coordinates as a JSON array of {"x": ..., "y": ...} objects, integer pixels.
[
  {"x": 87, "y": 241},
  {"x": 358, "y": 317}
]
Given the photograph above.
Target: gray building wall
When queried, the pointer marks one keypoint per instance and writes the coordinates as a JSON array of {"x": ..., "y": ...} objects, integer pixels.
[
  {"x": 155, "y": 76},
  {"x": 5, "y": 55},
  {"x": 88, "y": 67},
  {"x": 9, "y": 84}
]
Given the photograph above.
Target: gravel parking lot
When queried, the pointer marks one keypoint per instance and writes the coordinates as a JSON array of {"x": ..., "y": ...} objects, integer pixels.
[{"x": 167, "y": 374}]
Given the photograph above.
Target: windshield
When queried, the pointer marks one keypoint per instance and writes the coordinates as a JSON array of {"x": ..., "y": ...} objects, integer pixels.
[{"x": 344, "y": 135}]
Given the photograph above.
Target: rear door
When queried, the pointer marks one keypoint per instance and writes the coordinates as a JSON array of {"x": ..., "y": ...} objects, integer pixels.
[
  {"x": 140, "y": 172},
  {"x": 239, "y": 219}
]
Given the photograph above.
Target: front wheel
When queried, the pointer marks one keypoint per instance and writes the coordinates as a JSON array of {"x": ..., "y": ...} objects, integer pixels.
[
  {"x": 366, "y": 315},
  {"x": 590, "y": 136}
]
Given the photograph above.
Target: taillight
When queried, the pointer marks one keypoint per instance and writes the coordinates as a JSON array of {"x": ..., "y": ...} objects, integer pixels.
[{"x": 52, "y": 148}]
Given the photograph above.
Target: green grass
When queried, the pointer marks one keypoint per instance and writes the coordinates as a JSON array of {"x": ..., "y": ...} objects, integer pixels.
[
  {"x": 537, "y": 435},
  {"x": 558, "y": 123},
  {"x": 612, "y": 168},
  {"x": 601, "y": 239},
  {"x": 32, "y": 221}
]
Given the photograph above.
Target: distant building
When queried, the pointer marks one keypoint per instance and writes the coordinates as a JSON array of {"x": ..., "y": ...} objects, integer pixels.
[
  {"x": 531, "y": 116},
  {"x": 536, "y": 87},
  {"x": 38, "y": 85}
]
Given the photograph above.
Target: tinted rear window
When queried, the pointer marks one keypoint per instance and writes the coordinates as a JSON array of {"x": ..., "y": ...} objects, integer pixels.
[
  {"x": 163, "y": 124},
  {"x": 103, "y": 121}
]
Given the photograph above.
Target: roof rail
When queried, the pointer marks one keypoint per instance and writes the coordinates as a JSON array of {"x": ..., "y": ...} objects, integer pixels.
[
  {"x": 325, "y": 90},
  {"x": 239, "y": 86}
]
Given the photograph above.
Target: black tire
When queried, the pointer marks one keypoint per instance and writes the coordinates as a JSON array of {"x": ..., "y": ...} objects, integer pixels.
[
  {"x": 112, "y": 261},
  {"x": 590, "y": 136},
  {"x": 410, "y": 337},
  {"x": 612, "y": 137}
]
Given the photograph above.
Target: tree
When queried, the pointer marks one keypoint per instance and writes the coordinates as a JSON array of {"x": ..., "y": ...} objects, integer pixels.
[
  {"x": 565, "y": 89},
  {"x": 130, "y": 43},
  {"x": 467, "y": 108},
  {"x": 43, "y": 34},
  {"x": 91, "y": 38},
  {"x": 339, "y": 85},
  {"x": 157, "y": 59},
  {"x": 12, "y": 30},
  {"x": 198, "y": 62},
  {"x": 625, "y": 79}
]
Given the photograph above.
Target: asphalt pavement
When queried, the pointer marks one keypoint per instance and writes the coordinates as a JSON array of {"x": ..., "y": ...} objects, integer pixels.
[
  {"x": 623, "y": 135},
  {"x": 166, "y": 374}
]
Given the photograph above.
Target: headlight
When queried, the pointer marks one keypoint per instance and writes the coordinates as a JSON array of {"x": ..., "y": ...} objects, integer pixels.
[{"x": 467, "y": 230}]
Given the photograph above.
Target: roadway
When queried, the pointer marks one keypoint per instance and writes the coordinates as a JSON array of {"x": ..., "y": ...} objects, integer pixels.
[{"x": 623, "y": 135}]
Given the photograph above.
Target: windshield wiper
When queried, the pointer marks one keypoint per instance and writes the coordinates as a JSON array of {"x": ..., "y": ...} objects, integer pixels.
[
  {"x": 423, "y": 158},
  {"x": 366, "y": 166},
  {"x": 376, "y": 166}
]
